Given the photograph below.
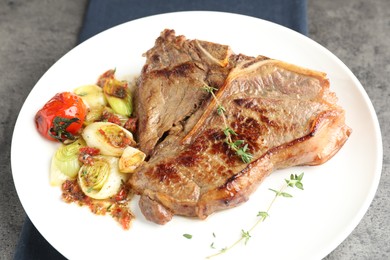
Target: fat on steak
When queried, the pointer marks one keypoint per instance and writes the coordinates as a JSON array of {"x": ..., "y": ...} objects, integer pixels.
[{"x": 285, "y": 113}]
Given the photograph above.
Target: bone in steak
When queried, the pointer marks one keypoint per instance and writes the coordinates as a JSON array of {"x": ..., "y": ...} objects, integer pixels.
[{"x": 286, "y": 114}]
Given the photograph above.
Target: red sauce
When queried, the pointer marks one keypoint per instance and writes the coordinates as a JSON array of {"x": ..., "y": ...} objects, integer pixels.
[
  {"x": 86, "y": 155},
  {"x": 110, "y": 117},
  {"x": 131, "y": 124},
  {"x": 116, "y": 206}
]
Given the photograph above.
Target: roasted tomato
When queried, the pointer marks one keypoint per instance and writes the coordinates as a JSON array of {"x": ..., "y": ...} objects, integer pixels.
[{"x": 61, "y": 117}]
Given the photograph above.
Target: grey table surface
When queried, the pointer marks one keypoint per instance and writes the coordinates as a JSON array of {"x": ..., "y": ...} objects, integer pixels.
[{"x": 34, "y": 34}]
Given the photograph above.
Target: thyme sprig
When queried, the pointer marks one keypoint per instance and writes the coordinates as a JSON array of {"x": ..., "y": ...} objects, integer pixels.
[
  {"x": 295, "y": 181},
  {"x": 239, "y": 147}
]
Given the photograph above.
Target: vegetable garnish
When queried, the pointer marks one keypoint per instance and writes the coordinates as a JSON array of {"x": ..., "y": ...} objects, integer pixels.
[
  {"x": 62, "y": 117},
  {"x": 116, "y": 92},
  {"x": 92, "y": 96},
  {"x": 238, "y": 146},
  {"x": 97, "y": 153},
  {"x": 130, "y": 159},
  {"x": 65, "y": 163},
  {"x": 102, "y": 179},
  {"x": 294, "y": 181},
  {"x": 111, "y": 139}
]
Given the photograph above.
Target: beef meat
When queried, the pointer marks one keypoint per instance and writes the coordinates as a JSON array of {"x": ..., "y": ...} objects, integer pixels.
[
  {"x": 284, "y": 113},
  {"x": 170, "y": 85}
]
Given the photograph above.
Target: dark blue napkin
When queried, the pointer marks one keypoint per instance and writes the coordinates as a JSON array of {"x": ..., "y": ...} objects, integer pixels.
[{"x": 103, "y": 14}]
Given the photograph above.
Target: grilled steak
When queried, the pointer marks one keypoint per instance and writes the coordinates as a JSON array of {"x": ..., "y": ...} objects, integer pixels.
[
  {"x": 284, "y": 113},
  {"x": 170, "y": 85}
]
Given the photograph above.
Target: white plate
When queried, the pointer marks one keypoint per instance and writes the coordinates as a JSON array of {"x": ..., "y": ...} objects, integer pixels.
[{"x": 308, "y": 226}]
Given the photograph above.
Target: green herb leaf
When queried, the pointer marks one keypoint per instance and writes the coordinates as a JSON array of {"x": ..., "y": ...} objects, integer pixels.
[
  {"x": 286, "y": 195},
  {"x": 228, "y": 131},
  {"x": 245, "y": 156},
  {"x": 295, "y": 181},
  {"x": 232, "y": 145},
  {"x": 263, "y": 214},
  {"x": 209, "y": 89},
  {"x": 277, "y": 193},
  {"x": 238, "y": 143},
  {"x": 188, "y": 236},
  {"x": 289, "y": 183},
  {"x": 59, "y": 132},
  {"x": 299, "y": 185},
  {"x": 245, "y": 235},
  {"x": 220, "y": 110}
]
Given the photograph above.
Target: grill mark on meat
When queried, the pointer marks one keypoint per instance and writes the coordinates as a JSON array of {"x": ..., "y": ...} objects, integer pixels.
[
  {"x": 181, "y": 70},
  {"x": 226, "y": 155},
  {"x": 213, "y": 142},
  {"x": 166, "y": 172},
  {"x": 250, "y": 130},
  {"x": 286, "y": 114}
]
